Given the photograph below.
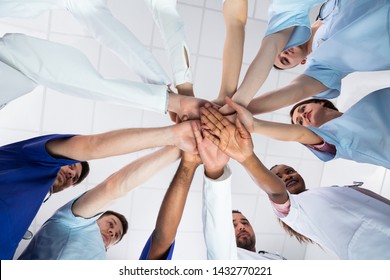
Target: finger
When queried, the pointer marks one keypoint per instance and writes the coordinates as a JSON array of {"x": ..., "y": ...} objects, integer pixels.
[
  {"x": 216, "y": 114},
  {"x": 242, "y": 130},
  {"x": 211, "y": 137},
  {"x": 197, "y": 134},
  {"x": 208, "y": 117},
  {"x": 232, "y": 104},
  {"x": 210, "y": 125}
]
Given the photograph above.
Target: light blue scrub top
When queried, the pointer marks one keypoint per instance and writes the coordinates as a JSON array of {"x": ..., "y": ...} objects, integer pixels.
[
  {"x": 355, "y": 36},
  {"x": 67, "y": 237},
  {"x": 283, "y": 14},
  {"x": 362, "y": 133}
]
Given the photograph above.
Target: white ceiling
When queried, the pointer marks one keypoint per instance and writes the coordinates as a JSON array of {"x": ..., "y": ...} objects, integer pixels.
[{"x": 46, "y": 111}]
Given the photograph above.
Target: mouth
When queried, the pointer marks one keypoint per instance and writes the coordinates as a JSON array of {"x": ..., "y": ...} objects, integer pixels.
[
  {"x": 243, "y": 234},
  {"x": 291, "y": 183},
  {"x": 308, "y": 116},
  {"x": 105, "y": 238}
]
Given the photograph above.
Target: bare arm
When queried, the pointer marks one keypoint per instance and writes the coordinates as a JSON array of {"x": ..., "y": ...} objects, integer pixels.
[
  {"x": 286, "y": 132},
  {"x": 123, "y": 181},
  {"x": 260, "y": 67},
  {"x": 172, "y": 207},
  {"x": 300, "y": 88},
  {"x": 265, "y": 179},
  {"x": 235, "y": 16},
  {"x": 87, "y": 147}
]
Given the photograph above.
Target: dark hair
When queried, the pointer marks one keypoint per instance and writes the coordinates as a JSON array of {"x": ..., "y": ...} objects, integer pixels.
[
  {"x": 327, "y": 104},
  {"x": 301, "y": 238},
  {"x": 236, "y": 212},
  {"x": 84, "y": 172},
  {"x": 122, "y": 219}
]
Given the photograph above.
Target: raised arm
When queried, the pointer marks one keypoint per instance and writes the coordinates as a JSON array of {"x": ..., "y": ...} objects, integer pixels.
[
  {"x": 260, "y": 68},
  {"x": 236, "y": 142},
  {"x": 235, "y": 14},
  {"x": 87, "y": 147},
  {"x": 123, "y": 181},
  {"x": 300, "y": 88},
  {"x": 172, "y": 207}
]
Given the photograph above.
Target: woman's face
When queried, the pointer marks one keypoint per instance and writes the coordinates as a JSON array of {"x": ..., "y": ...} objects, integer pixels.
[
  {"x": 311, "y": 114},
  {"x": 293, "y": 181}
]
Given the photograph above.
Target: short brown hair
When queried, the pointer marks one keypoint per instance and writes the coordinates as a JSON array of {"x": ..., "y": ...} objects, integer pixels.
[{"x": 327, "y": 104}]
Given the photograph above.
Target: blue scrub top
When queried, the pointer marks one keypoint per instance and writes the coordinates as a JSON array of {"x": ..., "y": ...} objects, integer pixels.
[
  {"x": 147, "y": 247},
  {"x": 27, "y": 172}
]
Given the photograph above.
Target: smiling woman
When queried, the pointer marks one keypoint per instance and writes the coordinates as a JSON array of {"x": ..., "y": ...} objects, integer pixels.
[{"x": 330, "y": 134}]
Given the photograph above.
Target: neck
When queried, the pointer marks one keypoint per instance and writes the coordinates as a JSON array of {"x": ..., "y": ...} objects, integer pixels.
[{"x": 314, "y": 27}]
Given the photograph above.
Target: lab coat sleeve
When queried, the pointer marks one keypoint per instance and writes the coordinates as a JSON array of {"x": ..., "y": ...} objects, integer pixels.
[{"x": 217, "y": 218}]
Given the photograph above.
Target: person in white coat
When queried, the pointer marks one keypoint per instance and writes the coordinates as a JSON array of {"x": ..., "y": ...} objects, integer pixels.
[{"x": 352, "y": 222}]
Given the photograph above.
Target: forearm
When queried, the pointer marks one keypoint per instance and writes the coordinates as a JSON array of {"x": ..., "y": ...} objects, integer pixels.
[
  {"x": 261, "y": 66},
  {"x": 171, "y": 209},
  {"x": 123, "y": 181},
  {"x": 113, "y": 143},
  {"x": 265, "y": 179},
  {"x": 301, "y": 88},
  {"x": 235, "y": 16},
  {"x": 286, "y": 132}
]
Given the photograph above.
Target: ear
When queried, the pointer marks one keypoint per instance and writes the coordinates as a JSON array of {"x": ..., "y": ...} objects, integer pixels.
[{"x": 303, "y": 61}]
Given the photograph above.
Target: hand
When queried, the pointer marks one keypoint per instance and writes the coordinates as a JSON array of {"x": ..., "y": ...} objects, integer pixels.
[
  {"x": 233, "y": 140},
  {"x": 245, "y": 117},
  {"x": 226, "y": 110},
  {"x": 185, "y": 89},
  {"x": 214, "y": 160},
  {"x": 184, "y": 137}
]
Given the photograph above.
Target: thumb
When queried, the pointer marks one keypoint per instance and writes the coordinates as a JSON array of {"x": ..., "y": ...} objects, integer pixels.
[
  {"x": 242, "y": 130},
  {"x": 232, "y": 104}
]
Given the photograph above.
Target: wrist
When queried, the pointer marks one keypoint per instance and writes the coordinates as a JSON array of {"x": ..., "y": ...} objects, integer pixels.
[
  {"x": 190, "y": 164},
  {"x": 173, "y": 101},
  {"x": 213, "y": 173},
  {"x": 248, "y": 160}
]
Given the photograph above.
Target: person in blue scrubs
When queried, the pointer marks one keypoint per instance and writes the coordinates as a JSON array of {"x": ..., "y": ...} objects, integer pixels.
[
  {"x": 78, "y": 230},
  {"x": 31, "y": 168},
  {"x": 361, "y": 134},
  {"x": 348, "y": 37}
]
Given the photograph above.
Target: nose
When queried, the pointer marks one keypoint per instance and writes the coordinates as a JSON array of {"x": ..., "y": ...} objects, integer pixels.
[
  {"x": 240, "y": 227},
  {"x": 286, "y": 177},
  {"x": 71, "y": 173}
]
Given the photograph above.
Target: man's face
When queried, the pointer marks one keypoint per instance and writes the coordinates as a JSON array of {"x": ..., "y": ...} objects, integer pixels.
[
  {"x": 311, "y": 114},
  {"x": 290, "y": 58},
  {"x": 245, "y": 236},
  {"x": 111, "y": 230},
  {"x": 67, "y": 176},
  {"x": 293, "y": 181}
]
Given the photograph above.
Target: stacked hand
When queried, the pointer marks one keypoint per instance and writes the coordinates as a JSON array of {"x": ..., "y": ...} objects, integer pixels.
[{"x": 234, "y": 140}]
